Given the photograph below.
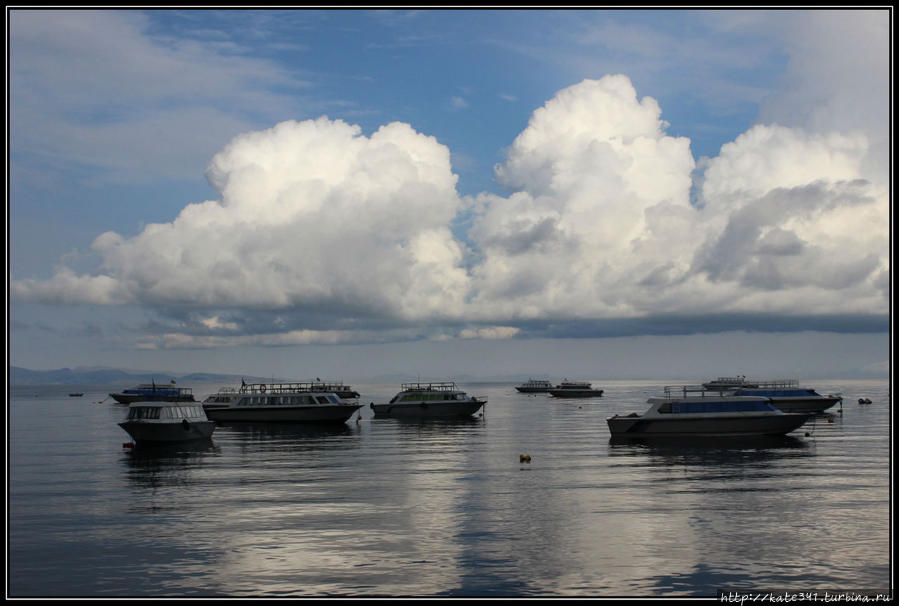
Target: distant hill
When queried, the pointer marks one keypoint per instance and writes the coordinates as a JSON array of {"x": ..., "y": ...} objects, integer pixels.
[{"x": 110, "y": 376}]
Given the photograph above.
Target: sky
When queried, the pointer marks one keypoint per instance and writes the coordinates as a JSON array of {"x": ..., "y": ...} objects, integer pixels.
[{"x": 439, "y": 193}]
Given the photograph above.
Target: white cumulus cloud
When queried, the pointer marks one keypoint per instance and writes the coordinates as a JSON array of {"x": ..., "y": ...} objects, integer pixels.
[{"x": 316, "y": 217}]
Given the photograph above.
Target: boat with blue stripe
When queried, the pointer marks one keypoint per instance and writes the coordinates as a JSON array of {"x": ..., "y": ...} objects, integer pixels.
[
  {"x": 696, "y": 411},
  {"x": 151, "y": 392},
  {"x": 789, "y": 396}
]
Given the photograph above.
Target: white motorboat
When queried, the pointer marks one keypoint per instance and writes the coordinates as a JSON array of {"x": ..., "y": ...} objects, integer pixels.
[
  {"x": 166, "y": 422},
  {"x": 695, "y": 411},
  {"x": 575, "y": 389},
  {"x": 278, "y": 403},
  {"x": 442, "y": 400},
  {"x": 726, "y": 383},
  {"x": 789, "y": 396},
  {"x": 535, "y": 386}
]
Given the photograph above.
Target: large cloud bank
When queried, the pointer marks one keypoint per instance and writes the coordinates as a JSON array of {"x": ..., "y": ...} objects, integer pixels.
[{"x": 608, "y": 218}]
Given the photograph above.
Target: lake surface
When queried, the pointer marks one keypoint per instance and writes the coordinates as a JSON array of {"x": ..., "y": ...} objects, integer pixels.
[{"x": 380, "y": 507}]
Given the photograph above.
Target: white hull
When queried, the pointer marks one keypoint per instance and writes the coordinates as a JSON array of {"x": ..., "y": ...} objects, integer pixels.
[{"x": 338, "y": 413}]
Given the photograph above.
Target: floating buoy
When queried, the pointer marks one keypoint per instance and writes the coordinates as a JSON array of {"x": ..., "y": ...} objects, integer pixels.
[{"x": 524, "y": 458}]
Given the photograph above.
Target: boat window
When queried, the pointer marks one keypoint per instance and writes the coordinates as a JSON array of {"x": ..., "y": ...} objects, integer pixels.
[
  {"x": 700, "y": 407},
  {"x": 321, "y": 399},
  {"x": 333, "y": 399},
  {"x": 143, "y": 412}
]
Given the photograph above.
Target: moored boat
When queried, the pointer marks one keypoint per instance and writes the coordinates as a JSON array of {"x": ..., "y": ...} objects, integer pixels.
[
  {"x": 535, "y": 386},
  {"x": 789, "y": 396},
  {"x": 165, "y": 422},
  {"x": 278, "y": 403},
  {"x": 435, "y": 400},
  {"x": 695, "y": 411},
  {"x": 151, "y": 392},
  {"x": 575, "y": 389},
  {"x": 726, "y": 383}
]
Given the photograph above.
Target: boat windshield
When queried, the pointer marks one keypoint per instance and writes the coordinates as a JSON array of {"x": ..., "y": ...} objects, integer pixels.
[{"x": 165, "y": 412}]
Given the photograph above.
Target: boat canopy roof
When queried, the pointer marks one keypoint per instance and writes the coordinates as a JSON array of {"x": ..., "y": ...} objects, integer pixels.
[{"x": 289, "y": 388}]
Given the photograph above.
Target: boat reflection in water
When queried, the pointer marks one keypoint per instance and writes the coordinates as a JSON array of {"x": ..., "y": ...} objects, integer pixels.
[{"x": 690, "y": 411}]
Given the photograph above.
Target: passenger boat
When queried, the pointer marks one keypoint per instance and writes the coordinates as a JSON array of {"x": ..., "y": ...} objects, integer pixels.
[
  {"x": 575, "y": 389},
  {"x": 441, "y": 400},
  {"x": 695, "y": 411},
  {"x": 726, "y": 383},
  {"x": 789, "y": 396},
  {"x": 344, "y": 392},
  {"x": 535, "y": 386},
  {"x": 278, "y": 403},
  {"x": 151, "y": 392},
  {"x": 166, "y": 422}
]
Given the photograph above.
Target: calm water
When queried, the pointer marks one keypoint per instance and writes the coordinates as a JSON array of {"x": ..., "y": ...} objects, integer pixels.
[{"x": 389, "y": 508}]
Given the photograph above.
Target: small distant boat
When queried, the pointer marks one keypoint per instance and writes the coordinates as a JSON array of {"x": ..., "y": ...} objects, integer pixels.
[
  {"x": 789, "y": 396},
  {"x": 151, "y": 392},
  {"x": 535, "y": 386},
  {"x": 278, "y": 403},
  {"x": 725, "y": 383},
  {"x": 575, "y": 389},
  {"x": 695, "y": 411},
  {"x": 441, "y": 400},
  {"x": 76, "y": 394},
  {"x": 166, "y": 422}
]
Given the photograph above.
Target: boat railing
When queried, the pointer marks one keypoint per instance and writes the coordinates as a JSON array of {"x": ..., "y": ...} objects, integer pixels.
[
  {"x": 431, "y": 386},
  {"x": 691, "y": 391},
  {"x": 776, "y": 384},
  {"x": 285, "y": 388}
]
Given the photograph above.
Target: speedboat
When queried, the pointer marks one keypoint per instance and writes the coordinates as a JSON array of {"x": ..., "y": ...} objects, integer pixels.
[
  {"x": 726, "y": 383},
  {"x": 278, "y": 402},
  {"x": 76, "y": 394},
  {"x": 535, "y": 386},
  {"x": 165, "y": 422},
  {"x": 695, "y": 411},
  {"x": 441, "y": 400},
  {"x": 151, "y": 392},
  {"x": 575, "y": 389},
  {"x": 789, "y": 396}
]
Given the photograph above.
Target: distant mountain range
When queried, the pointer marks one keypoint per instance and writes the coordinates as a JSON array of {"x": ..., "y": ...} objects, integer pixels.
[
  {"x": 116, "y": 376},
  {"x": 112, "y": 376}
]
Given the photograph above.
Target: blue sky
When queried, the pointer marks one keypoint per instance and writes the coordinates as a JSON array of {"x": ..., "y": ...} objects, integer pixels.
[{"x": 357, "y": 193}]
